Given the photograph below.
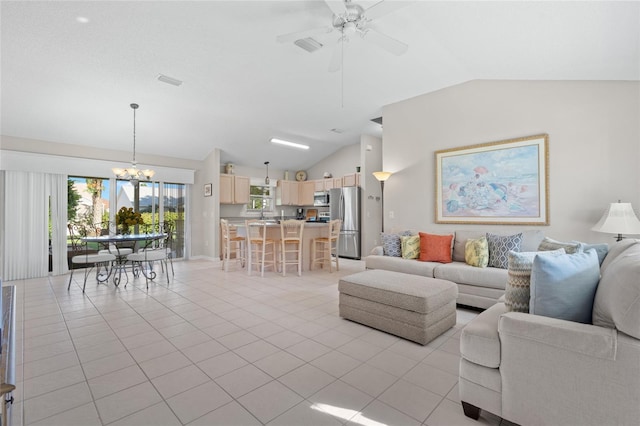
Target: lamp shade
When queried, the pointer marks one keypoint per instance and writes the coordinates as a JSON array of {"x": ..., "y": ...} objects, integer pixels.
[
  {"x": 382, "y": 176},
  {"x": 618, "y": 219}
]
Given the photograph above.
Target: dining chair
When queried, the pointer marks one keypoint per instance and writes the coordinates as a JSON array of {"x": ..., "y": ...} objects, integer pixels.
[
  {"x": 153, "y": 250},
  {"x": 89, "y": 259},
  {"x": 291, "y": 244},
  {"x": 261, "y": 251},
  {"x": 231, "y": 243},
  {"x": 325, "y": 249}
]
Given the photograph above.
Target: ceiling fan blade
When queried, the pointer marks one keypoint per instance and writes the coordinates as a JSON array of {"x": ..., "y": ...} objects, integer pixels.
[
  {"x": 286, "y": 38},
  {"x": 389, "y": 44},
  {"x": 336, "y": 7},
  {"x": 336, "y": 56},
  {"x": 383, "y": 8}
]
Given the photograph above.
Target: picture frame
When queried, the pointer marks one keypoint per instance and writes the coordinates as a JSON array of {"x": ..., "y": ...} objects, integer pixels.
[
  {"x": 208, "y": 190},
  {"x": 502, "y": 183}
]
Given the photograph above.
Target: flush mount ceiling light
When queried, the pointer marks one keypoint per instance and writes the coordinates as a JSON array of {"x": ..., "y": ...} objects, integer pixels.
[
  {"x": 289, "y": 144},
  {"x": 169, "y": 80},
  {"x": 132, "y": 173}
]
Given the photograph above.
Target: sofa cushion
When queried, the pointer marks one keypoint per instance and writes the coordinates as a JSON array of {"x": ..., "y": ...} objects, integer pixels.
[
  {"x": 391, "y": 243},
  {"x": 410, "y": 246},
  {"x": 617, "y": 301},
  {"x": 615, "y": 250},
  {"x": 499, "y": 248},
  {"x": 476, "y": 252},
  {"x": 517, "y": 290},
  {"x": 399, "y": 264},
  {"x": 530, "y": 241},
  {"x": 479, "y": 341},
  {"x": 564, "y": 286},
  {"x": 551, "y": 244},
  {"x": 461, "y": 273},
  {"x": 435, "y": 248}
]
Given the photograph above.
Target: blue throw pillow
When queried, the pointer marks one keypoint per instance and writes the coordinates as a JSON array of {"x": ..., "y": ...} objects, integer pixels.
[
  {"x": 564, "y": 286},
  {"x": 601, "y": 249}
]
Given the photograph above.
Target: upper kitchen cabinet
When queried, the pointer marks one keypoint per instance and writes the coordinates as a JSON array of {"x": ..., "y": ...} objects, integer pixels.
[
  {"x": 327, "y": 184},
  {"x": 352, "y": 179},
  {"x": 306, "y": 193},
  {"x": 234, "y": 189},
  {"x": 287, "y": 193}
]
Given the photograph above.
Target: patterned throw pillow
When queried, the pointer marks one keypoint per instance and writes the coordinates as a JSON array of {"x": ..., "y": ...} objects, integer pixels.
[
  {"x": 551, "y": 244},
  {"x": 410, "y": 246},
  {"x": 517, "y": 290},
  {"x": 499, "y": 248},
  {"x": 391, "y": 243},
  {"x": 435, "y": 248},
  {"x": 476, "y": 252}
]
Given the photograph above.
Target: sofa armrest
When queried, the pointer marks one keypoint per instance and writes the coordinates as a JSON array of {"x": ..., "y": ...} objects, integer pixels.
[
  {"x": 556, "y": 372},
  {"x": 586, "y": 339}
]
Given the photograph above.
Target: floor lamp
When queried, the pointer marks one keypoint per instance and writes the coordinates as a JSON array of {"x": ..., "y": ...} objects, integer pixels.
[{"x": 382, "y": 176}]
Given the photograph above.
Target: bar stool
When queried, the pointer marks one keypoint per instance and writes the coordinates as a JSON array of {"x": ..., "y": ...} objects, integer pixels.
[
  {"x": 291, "y": 243},
  {"x": 328, "y": 251},
  {"x": 258, "y": 245},
  {"x": 231, "y": 243}
]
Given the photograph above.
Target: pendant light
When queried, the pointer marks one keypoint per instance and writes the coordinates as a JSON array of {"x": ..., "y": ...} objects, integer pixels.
[
  {"x": 132, "y": 173},
  {"x": 266, "y": 179}
]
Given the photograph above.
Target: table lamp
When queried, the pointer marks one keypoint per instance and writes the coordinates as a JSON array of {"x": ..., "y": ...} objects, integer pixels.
[{"x": 618, "y": 219}]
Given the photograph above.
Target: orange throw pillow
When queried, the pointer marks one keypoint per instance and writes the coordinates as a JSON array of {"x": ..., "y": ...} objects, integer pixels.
[{"x": 435, "y": 248}]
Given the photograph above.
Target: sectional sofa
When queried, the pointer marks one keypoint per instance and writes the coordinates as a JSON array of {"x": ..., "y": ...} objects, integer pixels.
[
  {"x": 477, "y": 287},
  {"x": 542, "y": 370}
]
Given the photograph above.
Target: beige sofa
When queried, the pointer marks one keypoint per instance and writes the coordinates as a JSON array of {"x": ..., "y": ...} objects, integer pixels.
[
  {"x": 477, "y": 287},
  {"x": 535, "y": 370}
]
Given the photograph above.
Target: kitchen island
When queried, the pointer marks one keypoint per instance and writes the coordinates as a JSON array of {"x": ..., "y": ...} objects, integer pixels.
[{"x": 311, "y": 230}]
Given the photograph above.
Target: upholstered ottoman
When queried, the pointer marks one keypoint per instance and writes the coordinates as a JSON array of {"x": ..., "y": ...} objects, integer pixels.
[{"x": 414, "y": 307}]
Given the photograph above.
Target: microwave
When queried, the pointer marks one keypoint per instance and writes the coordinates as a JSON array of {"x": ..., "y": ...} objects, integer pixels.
[{"x": 321, "y": 198}]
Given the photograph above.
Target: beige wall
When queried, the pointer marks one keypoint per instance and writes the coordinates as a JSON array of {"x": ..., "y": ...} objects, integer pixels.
[{"x": 594, "y": 145}]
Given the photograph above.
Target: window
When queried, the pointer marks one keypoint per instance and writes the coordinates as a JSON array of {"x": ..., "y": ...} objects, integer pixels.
[
  {"x": 89, "y": 206},
  {"x": 260, "y": 198}
]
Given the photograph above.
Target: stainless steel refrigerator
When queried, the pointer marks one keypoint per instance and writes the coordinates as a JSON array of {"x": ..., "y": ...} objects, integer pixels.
[{"x": 344, "y": 204}]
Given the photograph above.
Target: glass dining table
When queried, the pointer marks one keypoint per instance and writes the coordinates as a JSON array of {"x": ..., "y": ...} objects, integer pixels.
[{"x": 121, "y": 245}]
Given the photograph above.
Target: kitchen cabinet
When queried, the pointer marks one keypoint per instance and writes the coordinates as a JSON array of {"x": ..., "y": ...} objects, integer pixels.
[
  {"x": 287, "y": 193},
  {"x": 306, "y": 189},
  {"x": 234, "y": 189},
  {"x": 327, "y": 184},
  {"x": 352, "y": 179}
]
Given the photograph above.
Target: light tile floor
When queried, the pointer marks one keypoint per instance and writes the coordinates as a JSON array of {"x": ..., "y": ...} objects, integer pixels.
[{"x": 216, "y": 348}]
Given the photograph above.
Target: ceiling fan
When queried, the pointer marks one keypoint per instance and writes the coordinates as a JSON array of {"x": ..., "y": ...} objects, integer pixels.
[{"x": 351, "y": 19}]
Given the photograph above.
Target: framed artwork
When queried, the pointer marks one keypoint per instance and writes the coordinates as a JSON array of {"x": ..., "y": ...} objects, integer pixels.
[
  {"x": 207, "y": 190},
  {"x": 505, "y": 182}
]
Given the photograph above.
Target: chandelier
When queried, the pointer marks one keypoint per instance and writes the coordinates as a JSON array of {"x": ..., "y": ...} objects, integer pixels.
[{"x": 132, "y": 173}]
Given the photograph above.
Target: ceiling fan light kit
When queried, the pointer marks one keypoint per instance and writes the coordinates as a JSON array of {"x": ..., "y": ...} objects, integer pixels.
[{"x": 350, "y": 19}]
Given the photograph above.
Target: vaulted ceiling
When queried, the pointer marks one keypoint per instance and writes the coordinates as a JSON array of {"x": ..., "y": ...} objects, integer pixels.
[{"x": 71, "y": 69}]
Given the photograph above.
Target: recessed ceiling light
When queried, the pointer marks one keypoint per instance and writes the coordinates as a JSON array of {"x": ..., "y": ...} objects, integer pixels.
[
  {"x": 169, "y": 80},
  {"x": 336, "y": 130},
  {"x": 289, "y": 144},
  {"x": 82, "y": 19}
]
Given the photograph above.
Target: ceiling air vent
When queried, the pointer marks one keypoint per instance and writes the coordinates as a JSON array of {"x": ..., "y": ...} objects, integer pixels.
[{"x": 308, "y": 44}]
